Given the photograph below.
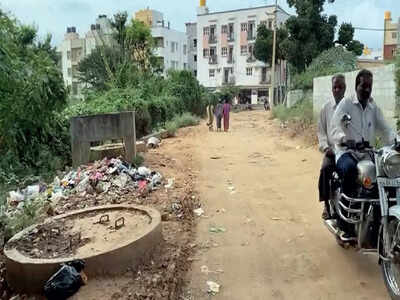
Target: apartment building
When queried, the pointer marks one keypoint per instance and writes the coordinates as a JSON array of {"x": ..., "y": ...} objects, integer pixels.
[
  {"x": 171, "y": 45},
  {"x": 191, "y": 33},
  {"x": 74, "y": 48},
  {"x": 225, "y": 50},
  {"x": 391, "y": 38}
]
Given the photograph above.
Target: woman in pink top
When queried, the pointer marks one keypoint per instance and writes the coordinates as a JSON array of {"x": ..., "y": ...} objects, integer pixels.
[{"x": 226, "y": 110}]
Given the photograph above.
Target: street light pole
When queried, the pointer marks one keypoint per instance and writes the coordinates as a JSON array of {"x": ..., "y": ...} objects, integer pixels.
[{"x": 272, "y": 89}]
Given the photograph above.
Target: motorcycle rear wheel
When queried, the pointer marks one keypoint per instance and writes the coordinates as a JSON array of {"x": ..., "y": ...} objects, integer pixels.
[{"x": 391, "y": 269}]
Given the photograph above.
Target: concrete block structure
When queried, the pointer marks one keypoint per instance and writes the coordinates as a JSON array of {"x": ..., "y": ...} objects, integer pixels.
[
  {"x": 383, "y": 91},
  {"x": 225, "y": 50}
]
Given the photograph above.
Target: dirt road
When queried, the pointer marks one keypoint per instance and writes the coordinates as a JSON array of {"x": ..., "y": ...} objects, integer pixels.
[{"x": 260, "y": 186}]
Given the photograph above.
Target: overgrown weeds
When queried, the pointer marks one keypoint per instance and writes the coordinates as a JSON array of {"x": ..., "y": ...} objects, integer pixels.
[{"x": 180, "y": 121}]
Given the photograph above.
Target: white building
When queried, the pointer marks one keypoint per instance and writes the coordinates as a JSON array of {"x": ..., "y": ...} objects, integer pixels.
[
  {"x": 225, "y": 50},
  {"x": 74, "y": 48},
  {"x": 171, "y": 45}
]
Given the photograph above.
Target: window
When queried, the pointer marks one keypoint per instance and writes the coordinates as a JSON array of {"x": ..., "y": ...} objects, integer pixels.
[
  {"x": 394, "y": 35},
  {"x": 206, "y": 31},
  {"x": 249, "y": 71},
  {"x": 195, "y": 73},
  {"x": 243, "y": 50},
  {"x": 173, "y": 47},
  {"x": 206, "y": 52},
  {"x": 224, "y": 29},
  {"x": 184, "y": 49},
  {"x": 270, "y": 24},
  {"x": 265, "y": 23},
  {"x": 176, "y": 47},
  {"x": 184, "y": 66},
  {"x": 69, "y": 72},
  {"x": 68, "y": 54},
  {"x": 195, "y": 43},
  {"x": 224, "y": 51},
  {"x": 243, "y": 27},
  {"x": 211, "y": 73},
  {"x": 195, "y": 57}
]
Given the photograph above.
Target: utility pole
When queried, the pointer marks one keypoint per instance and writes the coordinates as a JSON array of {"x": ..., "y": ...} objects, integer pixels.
[{"x": 272, "y": 89}]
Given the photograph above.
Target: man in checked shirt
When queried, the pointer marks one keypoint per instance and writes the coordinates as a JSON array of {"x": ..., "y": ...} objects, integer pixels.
[{"x": 326, "y": 144}]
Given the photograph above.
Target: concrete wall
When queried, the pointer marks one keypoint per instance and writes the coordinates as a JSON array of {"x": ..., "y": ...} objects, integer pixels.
[{"x": 384, "y": 90}]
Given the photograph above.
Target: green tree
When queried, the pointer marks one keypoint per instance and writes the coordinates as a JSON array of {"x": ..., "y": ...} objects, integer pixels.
[
  {"x": 264, "y": 42},
  {"x": 346, "y": 39},
  {"x": 310, "y": 32},
  {"x": 32, "y": 94}
]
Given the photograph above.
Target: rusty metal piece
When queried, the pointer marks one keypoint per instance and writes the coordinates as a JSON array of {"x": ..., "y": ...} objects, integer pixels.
[
  {"x": 72, "y": 237},
  {"x": 119, "y": 223},
  {"x": 103, "y": 219}
]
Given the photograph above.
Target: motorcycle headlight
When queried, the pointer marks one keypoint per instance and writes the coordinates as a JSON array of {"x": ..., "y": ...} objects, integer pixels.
[
  {"x": 366, "y": 174},
  {"x": 391, "y": 164}
]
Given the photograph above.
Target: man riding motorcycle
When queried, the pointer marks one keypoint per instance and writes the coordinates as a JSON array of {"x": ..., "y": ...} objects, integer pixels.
[{"x": 367, "y": 120}]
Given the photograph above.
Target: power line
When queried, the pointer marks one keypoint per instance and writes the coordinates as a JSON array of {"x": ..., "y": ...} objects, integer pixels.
[{"x": 374, "y": 29}]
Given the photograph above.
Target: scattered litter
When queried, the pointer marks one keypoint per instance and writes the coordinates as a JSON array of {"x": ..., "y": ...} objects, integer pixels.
[
  {"x": 199, "y": 212},
  {"x": 213, "y": 287},
  {"x": 222, "y": 210},
  {"x": 276, "y": 219},
  {"x": 217, "y": 229},
  {"x": 143, "y": 171},
  {"x": 170, "y": 183},
  {"x": 244, "y": 244},
  {"x": 205, "y": 269},
  {"x": 153, "y": 142},
  {"x": 215, "y": 157},
  {"x": 66, "y": 281},
  {"x": 15, "y": 198},
  {"x": 304, "y": 160}
]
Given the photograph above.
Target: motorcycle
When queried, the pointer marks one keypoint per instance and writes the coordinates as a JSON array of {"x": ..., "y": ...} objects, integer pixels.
[{"x": 369, "y": 220}]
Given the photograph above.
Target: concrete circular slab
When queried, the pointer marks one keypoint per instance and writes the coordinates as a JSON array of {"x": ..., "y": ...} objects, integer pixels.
[{"x": 28, "y": 275}]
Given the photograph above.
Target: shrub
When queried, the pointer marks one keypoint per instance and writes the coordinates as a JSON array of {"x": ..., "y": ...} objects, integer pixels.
[
  {"x": 186, "y": 119},
  {"x": 171, "y": 127},
  {"x": 302, "y": 112},
  {"x": 329, "y": 62}
]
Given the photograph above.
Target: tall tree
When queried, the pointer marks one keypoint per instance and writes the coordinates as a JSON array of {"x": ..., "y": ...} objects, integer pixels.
[
  {"x": 346, "y": 39},
  {"x": 264, "y": 42},
  {"x": 310, "y": 32}
]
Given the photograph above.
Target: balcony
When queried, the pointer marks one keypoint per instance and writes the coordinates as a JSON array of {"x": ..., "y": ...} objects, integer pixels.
[
  {"x": 230, "y": 60},
  {"x": 251, "y": 59},
  {"x": 212, "y": 39},
  {"x": 212, "y": 60},
  {"x": 265, "y": 79},
  {"x": 251, "y": 37},
  {"x": 231, "y": 37},
  {"x": 229, "y": 81}
]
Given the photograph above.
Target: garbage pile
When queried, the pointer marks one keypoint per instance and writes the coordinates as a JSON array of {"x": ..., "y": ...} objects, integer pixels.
[{"x": 97, "y": 178}]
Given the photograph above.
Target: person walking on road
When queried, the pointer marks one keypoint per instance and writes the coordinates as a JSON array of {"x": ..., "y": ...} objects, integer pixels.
[
  {"x": 210, "y": 115},
  {"x": 218, "y": 114},
  {"x": 226, "y": 111}
]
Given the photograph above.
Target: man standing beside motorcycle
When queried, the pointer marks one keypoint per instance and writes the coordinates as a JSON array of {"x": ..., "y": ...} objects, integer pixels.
[
  {"x": 325, "y": 140},
  {"x": 366, "y": 120}
]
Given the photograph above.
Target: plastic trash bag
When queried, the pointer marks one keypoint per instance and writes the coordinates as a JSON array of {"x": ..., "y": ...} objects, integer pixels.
[{"x": 65, "y": 282}]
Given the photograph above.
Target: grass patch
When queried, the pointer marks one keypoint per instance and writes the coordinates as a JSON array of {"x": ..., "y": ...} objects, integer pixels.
[
  {"x": 179, "y": 121},
  {"x": 301, "y": 112}
]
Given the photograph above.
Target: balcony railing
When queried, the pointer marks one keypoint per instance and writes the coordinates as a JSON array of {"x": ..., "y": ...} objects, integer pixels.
[
  {"x": 212, "y": 39},
  {"x": 212, "y": 60},
  {"x": 251, "y": 37},
  {"x": 231, "y": 37},
  {"x": 265, "y": 81},
  {"x": 251, "y": 59},
  {"x": 231, "y": 80}
]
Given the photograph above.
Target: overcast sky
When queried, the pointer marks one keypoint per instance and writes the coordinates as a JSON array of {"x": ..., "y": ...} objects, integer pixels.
[{"x": 53, "y": 16}]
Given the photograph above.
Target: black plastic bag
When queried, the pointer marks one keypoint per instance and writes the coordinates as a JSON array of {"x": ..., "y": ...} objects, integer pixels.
[{"x": 66, "y": 282}]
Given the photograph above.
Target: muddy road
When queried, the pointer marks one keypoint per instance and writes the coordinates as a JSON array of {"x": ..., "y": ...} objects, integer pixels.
[{"x": 259, "y": 187}]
